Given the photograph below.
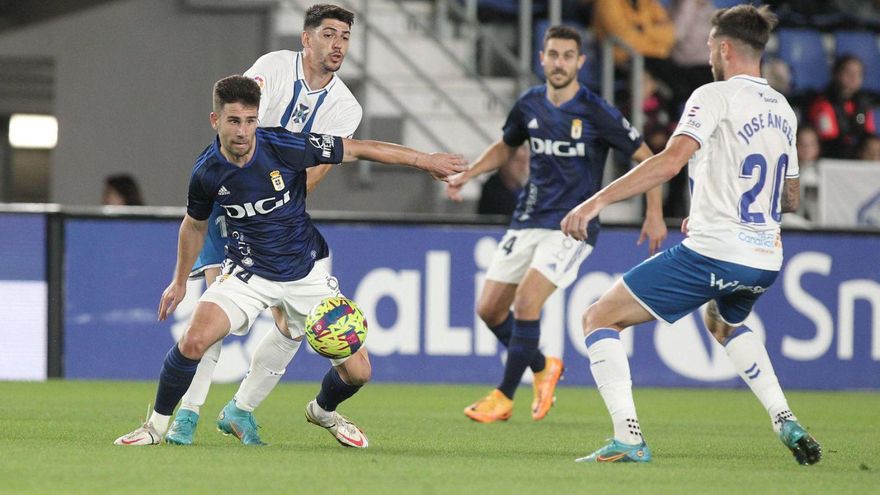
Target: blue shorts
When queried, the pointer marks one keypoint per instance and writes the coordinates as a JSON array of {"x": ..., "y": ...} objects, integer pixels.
[
  {"x": 213, "y": 251},
  {"x": 677, "y": 281}
]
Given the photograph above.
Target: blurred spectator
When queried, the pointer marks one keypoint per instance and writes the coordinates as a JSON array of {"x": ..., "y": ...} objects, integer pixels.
[
  {"x": 121, "y": 189},
  {"x": 642, "y": 24},
  {"x": 501, "y": 191},
  {"x": 870, "y": 149},
  {"x": 842, "y": 114},
  {"x": 778, "y": 75},
  {"x": 808, "y": 153},
  {"x": 689, "y": 68}
]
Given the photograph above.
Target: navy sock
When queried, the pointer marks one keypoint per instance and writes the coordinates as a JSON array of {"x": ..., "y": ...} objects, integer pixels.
[
  {"x": 520, "y": 352},
  {"x": 334, "y": 391},
  {"x": 503, "y": 332},
  {"x": 174, "y": 380}
]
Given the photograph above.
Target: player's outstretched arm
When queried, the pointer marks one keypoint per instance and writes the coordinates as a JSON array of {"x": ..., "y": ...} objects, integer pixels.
[
  {"x": 496, "y": 155},
  {"x": 439, "y": 165},
  {"x": 190, "y": 239},
  {"x": 649, "y": 174},
  {"x": 654, "y": 227}
]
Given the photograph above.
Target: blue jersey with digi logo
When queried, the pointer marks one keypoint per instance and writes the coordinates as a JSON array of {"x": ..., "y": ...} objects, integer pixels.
[
  {"x": 269, "y": 232},
  {"x": 568, "y": 145}
]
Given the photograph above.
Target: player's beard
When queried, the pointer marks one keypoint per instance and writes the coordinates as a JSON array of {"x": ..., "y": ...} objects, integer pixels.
[
  {"x": 328, "y": 65},
  {"x": 568, "y": 79}
]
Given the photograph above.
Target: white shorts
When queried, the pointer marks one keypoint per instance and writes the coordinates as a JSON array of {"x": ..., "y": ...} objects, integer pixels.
[
  {"x": 243, "y": 296},
  {"x": 551, "y": 252}
]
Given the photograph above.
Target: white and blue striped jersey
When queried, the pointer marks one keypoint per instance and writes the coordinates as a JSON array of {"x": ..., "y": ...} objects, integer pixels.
[
  {"x": 569, "y": 145},
  {"x": 287, "y": 101},
  {"x": 270, "y": 233},
  {"x": 746, "y": 131}
]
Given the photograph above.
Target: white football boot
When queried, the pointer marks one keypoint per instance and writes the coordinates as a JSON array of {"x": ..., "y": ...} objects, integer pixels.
[
  {"x": 343, "y": 430},
  {"x": 145, "y": 435}
]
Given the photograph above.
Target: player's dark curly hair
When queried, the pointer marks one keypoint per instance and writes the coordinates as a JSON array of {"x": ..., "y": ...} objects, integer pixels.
[
  {"x": 746, "y": 23},
  {"x": 236, "y": 89},
  {"x": 317, "y": 13},
  {"x": 563, "y": 33}
]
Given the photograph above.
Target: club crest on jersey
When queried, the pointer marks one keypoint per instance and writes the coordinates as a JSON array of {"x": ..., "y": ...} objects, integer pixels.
[
  {"x": 277, "y": 180},
  {"x": 301, "y": 114},
  {"x": 577, "y": 128}
]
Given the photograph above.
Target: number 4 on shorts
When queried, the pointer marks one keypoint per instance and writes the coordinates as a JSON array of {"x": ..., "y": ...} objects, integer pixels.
[{"x": 508, "y": 246}]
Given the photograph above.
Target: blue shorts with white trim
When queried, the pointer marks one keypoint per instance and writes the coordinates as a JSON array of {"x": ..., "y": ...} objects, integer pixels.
[{"x": 677, "y": 281}]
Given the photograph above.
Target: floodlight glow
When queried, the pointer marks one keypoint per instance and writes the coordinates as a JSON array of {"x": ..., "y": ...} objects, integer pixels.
[{"x": 33, "y": 131}]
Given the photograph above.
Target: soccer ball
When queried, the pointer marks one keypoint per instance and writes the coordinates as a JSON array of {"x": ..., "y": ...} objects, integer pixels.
[{"x": 336, "y": 328}]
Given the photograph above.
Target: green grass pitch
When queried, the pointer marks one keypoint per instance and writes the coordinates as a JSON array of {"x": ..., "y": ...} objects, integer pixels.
[{"x": 56, "y": 437}]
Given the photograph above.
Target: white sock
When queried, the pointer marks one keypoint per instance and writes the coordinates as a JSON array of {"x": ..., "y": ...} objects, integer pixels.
[
  {"x": 159, "y": 422},
  {"x": 610, "y": 369},
  {"x": 268, "y": 364},
  {"x": 198, "y": 391},
  {"x": 749, "y": 357}
]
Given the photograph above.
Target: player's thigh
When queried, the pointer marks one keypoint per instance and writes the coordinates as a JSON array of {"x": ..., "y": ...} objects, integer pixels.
[
  {"x": 670, "y": 284},
  {"x": 208, "y": 324},
  {"x": 616, "y": 309},
  {"x": 242, "y": 296},
  {"x": 280, "y": 319},
  {"x": 513, "y": 256},
  {"x": 302, "y": 295},
  {"x": 559, "y": 257},
  {"x": 736, "y": 300},
  {"x": 355, "y": 369},
  {"x": 531, "y": 294},
  {"x": 495, "y": 299}
]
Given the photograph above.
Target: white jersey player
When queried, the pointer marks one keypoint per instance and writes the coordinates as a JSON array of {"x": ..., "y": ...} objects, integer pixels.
[
  {"x": 739, "y": 135},
  {"x": 300, "y": 92}
]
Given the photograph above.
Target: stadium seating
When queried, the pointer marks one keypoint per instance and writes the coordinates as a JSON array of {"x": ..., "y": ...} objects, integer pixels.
[
  {"x": 803, "y": 51},
  {"x": 862, "y": 44}
]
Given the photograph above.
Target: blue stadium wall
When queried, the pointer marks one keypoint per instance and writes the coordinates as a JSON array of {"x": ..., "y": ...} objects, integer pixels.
[{"x": 418, "y": 286}]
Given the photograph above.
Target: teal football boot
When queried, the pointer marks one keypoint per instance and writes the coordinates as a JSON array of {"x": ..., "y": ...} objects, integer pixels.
[
  {"x": 805, "y": 448},
  {"x": 616, "y": 451},
  {"x": 183, "y": 428},
  {"x": 234, "y": 421}
]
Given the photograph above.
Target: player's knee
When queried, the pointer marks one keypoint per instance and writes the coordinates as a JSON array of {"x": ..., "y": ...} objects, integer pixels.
[
  {"x": 526, "y": 309},
  {"x": 491, "y": 315},
  {"x": 593, "y": 318},
  {"x": 193, "y": 347}
]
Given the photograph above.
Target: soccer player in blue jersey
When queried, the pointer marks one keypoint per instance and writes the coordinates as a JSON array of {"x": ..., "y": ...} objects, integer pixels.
[
  {"x": 739, "y": 135},
  {"x": 570, "y": 130},
  {"x": 275, "y": 255},
  {"x": 302, "y": 93}
]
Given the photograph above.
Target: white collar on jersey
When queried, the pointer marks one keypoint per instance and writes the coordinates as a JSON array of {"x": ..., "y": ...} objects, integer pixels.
[
  {"x": 759, "y": 80},
  {"x": 300, "y": 75}
]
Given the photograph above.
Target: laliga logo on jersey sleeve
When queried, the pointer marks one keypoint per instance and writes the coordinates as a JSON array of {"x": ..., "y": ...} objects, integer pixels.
[{"x": 689, "y": 350}]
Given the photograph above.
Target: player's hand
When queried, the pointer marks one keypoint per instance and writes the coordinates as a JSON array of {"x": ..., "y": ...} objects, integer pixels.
[
  {"x": 442, "y": 165},
  {"x": 454, "y": 185},
  {"x": 575, "y": 222},
  {"x": 653, "y": 229},
  {"x": 170, "y": 299},
  {"x": 684, "y": 225}
]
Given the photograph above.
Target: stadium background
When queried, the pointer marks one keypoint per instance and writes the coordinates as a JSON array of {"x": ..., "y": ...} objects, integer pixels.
[{"x": 129, "y": 84}]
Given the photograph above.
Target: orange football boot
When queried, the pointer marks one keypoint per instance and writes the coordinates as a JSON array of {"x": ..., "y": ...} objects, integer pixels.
[
  {"x": 494, "y": 407},
  {"x": 544, "y": 386}
]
